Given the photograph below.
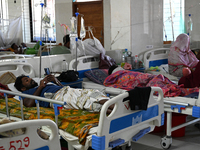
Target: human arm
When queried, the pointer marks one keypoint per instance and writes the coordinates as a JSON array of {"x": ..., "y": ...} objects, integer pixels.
[{"x": 52, "y": 78}]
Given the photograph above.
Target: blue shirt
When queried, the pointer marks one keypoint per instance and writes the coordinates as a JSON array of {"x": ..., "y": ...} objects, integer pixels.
[{"x": 50, "y": 88}]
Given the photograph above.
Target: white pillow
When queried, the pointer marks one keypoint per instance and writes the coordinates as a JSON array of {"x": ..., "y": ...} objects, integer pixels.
[
  {"x": 12, "y": 88},
  {"x": 164, "y": 68}
]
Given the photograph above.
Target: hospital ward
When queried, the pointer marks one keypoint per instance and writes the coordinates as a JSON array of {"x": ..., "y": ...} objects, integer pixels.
[{"x": 99, "y": 74}]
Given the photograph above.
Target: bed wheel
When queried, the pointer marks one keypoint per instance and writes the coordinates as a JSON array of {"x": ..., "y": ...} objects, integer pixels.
[{"x": 166, "y": 142}]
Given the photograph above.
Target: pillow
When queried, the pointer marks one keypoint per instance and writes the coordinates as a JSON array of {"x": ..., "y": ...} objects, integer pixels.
[{"x": 97, "y": 75}]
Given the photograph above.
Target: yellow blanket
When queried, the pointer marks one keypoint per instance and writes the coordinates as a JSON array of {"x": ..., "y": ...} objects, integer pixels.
[{"x": 69, "y": 120}]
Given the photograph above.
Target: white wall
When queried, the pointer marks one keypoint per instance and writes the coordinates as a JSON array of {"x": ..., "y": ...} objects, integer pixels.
[
  {"x": 136, "y": 27},
  {"x": 192, "y": 7},
  {"x": 146, "y": 24},
  {"x": 120, "y": 24},
  {"x": 63, "y": 13}
]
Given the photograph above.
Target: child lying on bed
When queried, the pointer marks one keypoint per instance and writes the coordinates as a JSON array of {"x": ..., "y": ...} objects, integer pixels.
[{"x": 88, "y": 99}]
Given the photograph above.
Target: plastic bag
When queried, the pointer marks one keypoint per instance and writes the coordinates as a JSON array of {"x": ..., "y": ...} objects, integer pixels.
[{"x": 92, "y": 47}]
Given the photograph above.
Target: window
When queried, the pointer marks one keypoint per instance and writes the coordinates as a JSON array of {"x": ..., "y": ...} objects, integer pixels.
[
  {"x": 173, "y": 19},
  {"x": 48, "y": 20}
]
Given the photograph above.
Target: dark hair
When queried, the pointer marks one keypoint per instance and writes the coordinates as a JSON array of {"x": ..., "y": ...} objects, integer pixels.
[
  {"x": 12, "y": 46},
  {"x": 66, "y": 39},
  {"x": 18, "y": 83},
  {"x": 111, "y": 69}
]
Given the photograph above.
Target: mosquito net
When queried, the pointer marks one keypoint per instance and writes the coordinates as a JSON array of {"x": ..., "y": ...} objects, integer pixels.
[{"x": 10, "y": 32}]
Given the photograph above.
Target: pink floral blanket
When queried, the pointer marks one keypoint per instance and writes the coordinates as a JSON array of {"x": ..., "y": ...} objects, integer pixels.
[{"x": 128, "y": 80}]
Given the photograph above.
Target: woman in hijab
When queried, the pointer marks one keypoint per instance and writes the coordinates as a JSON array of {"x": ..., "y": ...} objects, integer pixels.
[{"x": 181, "y": 57}]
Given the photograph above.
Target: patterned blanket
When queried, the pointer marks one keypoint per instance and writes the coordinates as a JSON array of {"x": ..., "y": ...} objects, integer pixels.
[
  {"x": 128, "y": 80},
  {"x": 69, "y": 120}
]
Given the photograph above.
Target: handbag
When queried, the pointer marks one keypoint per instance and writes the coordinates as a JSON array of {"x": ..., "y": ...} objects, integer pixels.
[{"x": 68, "y": 76}]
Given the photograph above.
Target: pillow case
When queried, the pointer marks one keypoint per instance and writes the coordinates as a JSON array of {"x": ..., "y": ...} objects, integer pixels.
[{"x": 97, "y": 75}]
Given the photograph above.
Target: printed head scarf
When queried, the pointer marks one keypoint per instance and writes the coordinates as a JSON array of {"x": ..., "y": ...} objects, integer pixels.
[{"x": 180, "y": 53}]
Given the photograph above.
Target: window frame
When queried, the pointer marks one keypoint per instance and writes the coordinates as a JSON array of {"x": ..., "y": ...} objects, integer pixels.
[
  {"x": 180, "y": 27},
  {"x": 31, "y": 25}
]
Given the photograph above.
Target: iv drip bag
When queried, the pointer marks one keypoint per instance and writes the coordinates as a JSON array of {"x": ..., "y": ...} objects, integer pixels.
[
  {"x": 82, "y": 32},
  {"x": 73, "y": 31}
]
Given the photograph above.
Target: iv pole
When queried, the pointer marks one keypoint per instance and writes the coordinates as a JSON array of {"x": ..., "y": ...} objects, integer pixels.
[
  {"x": 172, "y": 19},
  {"x": 76, "y": 37},
  {"x": 42, "y": 4}
]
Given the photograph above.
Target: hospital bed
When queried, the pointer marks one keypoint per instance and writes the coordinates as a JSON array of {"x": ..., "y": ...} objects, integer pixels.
[
  {"x": 6, "y": 52},
  {"x": 15, "y": 56},
  {"x": 158, "y": 58},
  {"x": 24, "y": 135},
  {"x": 110, "y": 132},
  {"x": 181, "y": 105},
  {"x": 17, "y": 67}
]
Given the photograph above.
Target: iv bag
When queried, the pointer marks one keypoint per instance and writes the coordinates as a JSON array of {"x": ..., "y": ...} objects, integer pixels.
[
  {"x": 73, "y": 31},
  {"x": 82, "y": 32},
  {"x": 189, "y": 25}
]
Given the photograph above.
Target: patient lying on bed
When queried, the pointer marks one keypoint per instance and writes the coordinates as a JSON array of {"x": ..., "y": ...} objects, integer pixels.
[{"x": 88, "y": 99}]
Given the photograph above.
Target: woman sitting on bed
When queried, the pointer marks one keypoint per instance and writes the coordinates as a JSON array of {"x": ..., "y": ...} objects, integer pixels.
[
  {"x": 181, "y": 59},
  {"x": 88, "y": 99}
]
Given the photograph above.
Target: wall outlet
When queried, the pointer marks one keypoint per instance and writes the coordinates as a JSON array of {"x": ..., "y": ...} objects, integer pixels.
[{"x": 149, "y": 46}]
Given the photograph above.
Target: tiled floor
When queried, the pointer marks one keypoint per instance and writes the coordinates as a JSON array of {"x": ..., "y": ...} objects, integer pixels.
[{"x": 151, "y": 141}]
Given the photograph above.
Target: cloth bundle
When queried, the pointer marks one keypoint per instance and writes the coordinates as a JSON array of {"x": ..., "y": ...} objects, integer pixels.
[{"x": 139, "y": 98}]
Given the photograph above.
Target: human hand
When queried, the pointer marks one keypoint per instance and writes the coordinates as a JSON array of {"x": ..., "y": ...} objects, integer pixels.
[
  {"x": 50, "y": 78},
  {"x": 43, "y": 82}
]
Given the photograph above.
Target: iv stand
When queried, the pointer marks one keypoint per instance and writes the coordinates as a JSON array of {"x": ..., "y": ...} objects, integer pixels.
[
  {"x": 76, "y": 38},
  {"x": 42, "y": 4},
  {"x": 172, "y": 20}
]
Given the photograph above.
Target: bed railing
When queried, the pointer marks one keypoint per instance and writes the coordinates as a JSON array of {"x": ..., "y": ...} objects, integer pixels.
[{"x": 56, "y": 104}]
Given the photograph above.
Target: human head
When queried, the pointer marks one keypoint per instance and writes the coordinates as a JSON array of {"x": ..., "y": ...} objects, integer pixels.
[
  {"x": 114, "y": 68},
  {"x": 66, "y": 41},
  {"x": 182, "y": 42},
  {"x": 110, "y": 70},
  {"x": 23, "y": 83},
  {"x": 14, "y": 46}
]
